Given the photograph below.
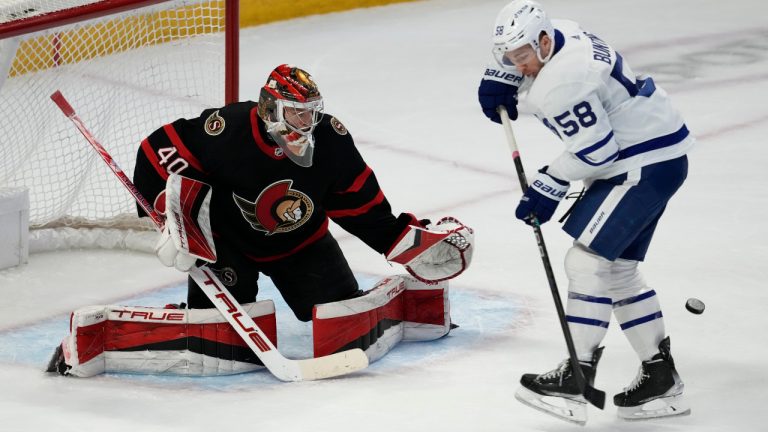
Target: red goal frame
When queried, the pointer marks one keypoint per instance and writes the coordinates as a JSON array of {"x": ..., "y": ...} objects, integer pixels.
[{"x": 107, "y": 7}]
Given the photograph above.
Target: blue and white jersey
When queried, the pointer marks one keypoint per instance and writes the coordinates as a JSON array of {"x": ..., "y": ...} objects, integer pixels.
[{"x": 610, "y": 121}]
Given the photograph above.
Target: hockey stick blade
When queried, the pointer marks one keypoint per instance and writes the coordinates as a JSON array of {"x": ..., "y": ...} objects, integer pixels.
[
  {"x": 591, "y": 394},
  {"x": 281, "y": 367},
  {"x": 594, "y": 396}
]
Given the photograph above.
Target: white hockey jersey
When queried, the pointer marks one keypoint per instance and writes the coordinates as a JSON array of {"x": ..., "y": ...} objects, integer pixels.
[{"x": 610, "y": 121}]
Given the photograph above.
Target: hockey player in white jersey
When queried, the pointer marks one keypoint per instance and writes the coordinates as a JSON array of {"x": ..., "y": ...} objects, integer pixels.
[{"x": 628, "y": 146}]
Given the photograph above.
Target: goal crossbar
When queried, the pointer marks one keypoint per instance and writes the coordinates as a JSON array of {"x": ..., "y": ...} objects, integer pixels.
[{"x": 131, "y": 66}]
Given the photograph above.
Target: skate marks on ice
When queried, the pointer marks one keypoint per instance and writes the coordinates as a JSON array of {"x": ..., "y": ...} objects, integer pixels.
[
  {"x": 699, "y": 63},
  {"x": 483, "y": 318}
]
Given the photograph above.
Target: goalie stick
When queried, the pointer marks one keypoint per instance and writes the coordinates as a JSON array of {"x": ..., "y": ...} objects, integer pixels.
[
  {"x": 285, "y": 369},
  {"x": 594, "y": 396}
]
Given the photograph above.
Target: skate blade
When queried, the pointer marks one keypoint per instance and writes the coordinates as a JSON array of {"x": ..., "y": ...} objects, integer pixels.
[
  {"x": 663, "y": 407},
  {"x": 575, "y": 411}
]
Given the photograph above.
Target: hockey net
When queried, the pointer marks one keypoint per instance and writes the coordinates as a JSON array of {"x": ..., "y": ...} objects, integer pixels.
[{"x": 128, "y": 67}]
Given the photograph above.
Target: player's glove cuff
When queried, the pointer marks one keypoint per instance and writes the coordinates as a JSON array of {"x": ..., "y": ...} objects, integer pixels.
[
  {"x": 549, "y": 186},
  {"x": 541, "y": 198}
]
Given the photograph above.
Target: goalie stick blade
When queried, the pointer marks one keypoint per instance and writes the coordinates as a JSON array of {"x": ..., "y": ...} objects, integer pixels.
[
  {"x": 311, "y": 369},
  {"x": 333, "y": 365},
  {"x": 282, "y": 368}
]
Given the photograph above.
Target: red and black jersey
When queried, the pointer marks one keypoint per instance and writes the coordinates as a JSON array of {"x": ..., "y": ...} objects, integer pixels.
[{"x": 262, "y": 203}]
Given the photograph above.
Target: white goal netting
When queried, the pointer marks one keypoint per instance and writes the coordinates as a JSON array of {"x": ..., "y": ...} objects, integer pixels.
[{"x": 125, "y": 73}]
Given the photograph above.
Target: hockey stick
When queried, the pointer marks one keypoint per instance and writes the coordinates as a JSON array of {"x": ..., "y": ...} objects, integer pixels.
[
  {"x": 283, "y": 368},
  {"x": 594, "y": 396}
]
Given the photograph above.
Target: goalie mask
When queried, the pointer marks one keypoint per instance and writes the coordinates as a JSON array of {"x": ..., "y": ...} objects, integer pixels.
[{"x": 291, "y": 106}]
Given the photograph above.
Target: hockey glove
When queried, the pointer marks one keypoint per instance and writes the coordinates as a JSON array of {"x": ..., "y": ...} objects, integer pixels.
[
  {"x": 493, "y": 94},
  {"x": 541, "y": 198},
  {"x": 187, "y": 235},
  {"x": 435, "y": 253}
]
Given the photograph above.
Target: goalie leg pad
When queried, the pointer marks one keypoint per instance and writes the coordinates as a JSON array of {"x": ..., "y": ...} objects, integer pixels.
[
  {"x": 193, "y": 342},
  {"x": 427, "y": 310},
  {"x": 398, "y": 308}
]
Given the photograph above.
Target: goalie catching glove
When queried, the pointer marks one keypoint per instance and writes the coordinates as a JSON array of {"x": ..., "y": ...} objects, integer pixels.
[
  {"x": 187, "y": 235},
  {"x": 436, "y": 252}
]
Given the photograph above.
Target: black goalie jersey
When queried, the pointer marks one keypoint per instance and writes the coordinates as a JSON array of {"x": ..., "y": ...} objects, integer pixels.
[{"x": 262, "y": 203}]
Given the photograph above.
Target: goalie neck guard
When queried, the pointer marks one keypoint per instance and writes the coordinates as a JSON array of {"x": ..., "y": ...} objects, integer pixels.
[{"x": 291, "y": 106}]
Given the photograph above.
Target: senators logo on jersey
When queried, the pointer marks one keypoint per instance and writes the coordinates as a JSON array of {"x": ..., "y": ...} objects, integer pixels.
[
  {"x": 338, "y": 127},
  {"x": 214, "y": 124},
  {"x": 277, "y": 209}
]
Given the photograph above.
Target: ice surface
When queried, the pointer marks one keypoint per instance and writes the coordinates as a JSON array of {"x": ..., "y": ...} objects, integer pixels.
[{"x": 403, "y": 79}]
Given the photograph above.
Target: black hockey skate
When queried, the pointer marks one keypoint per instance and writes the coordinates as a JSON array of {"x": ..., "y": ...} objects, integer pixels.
[
  {"x": 57, "y": 364},
  {"x": 657, "y": 391},
  {"x": 562, "y": 384}
]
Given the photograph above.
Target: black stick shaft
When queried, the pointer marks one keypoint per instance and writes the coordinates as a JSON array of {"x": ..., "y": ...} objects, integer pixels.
[{"x": 594, "y": 396}]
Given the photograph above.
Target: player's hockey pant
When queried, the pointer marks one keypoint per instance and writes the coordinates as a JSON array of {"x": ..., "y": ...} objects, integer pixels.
[
  {"x": 317, "y": 274},
  {"x": 616, "y": 217}
]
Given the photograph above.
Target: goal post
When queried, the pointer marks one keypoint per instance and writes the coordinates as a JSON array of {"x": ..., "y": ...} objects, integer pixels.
[{"x": 130, "y": 66}]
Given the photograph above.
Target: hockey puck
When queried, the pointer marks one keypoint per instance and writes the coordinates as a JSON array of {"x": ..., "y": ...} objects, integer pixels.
[{"x": 695, "y": 306}]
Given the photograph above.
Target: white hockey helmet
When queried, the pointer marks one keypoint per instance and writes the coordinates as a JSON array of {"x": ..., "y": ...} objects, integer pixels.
[{"x": 521, "y": 23}]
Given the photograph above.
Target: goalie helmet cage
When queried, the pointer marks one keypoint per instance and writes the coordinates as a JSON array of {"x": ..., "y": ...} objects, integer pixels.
[{"x": 129, "y": 66}]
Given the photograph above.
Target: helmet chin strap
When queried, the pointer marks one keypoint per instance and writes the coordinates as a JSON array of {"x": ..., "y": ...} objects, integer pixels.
[
  {"x": 537, "y": 49},
  {"x": 543, "y": 59}
]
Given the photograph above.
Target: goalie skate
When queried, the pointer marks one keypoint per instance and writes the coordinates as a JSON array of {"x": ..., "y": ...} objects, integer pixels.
[
  {"x": 557, "y": 392},
  {"x": 657, "y": 391}
]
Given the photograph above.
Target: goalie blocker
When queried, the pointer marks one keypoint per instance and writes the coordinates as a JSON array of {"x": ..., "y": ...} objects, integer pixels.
[{"x": 199, "y": 342}]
